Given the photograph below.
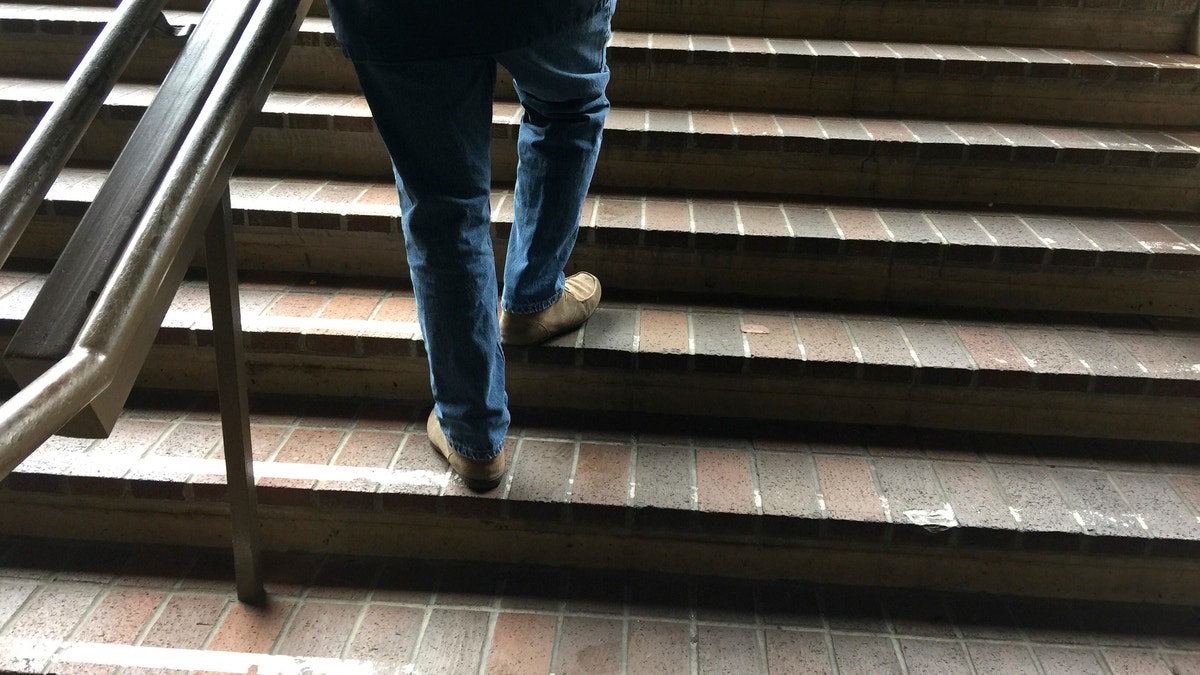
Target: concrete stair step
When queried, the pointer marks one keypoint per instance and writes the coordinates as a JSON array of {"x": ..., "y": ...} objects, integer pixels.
[
  {"x": 1082, "y": 375},
  {"x": 998, "y": 513},
  {"x": 753, "y": 153},
  {"x": 1148, "y": 25},
  {"x": 771, "y": 250},
  {"x": 714, "y": 71}
]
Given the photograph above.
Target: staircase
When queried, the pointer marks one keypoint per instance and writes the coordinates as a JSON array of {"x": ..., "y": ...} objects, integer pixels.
[{"x": 897, "y": 294}]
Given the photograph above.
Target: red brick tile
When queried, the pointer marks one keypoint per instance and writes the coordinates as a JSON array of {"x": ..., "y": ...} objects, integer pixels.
[
  {"x": 749, "y": 124},
  {"x": 771, "y": 337},
  {"x": 1135, "y": 662},
  {"x": 669, "y": 216},
  {"x": 1189, "y": 487},
  {"x": 1151, "y": 497},
  {"x": 843, "y": 128},
  {"x": 797, "y": 652},
  {"x": 722, "y": 649},
  {"x": 601, "y": 475},
  {"x": 864, "y": 232},
  {"x": 865, "y": 655},
  {"x": 763, "y": 221},
  {"x": 453, "y": 642},
  {"x": 812, "y": 223},
  {"x": 51, "y": 615},
  {"x": 1106, "y": 357},
  {"x": 848, "y": 489},
  {"x": 349, "y": 307},
  {"x": 714, "y": 217},
  {"x": 942, "y": 357},
  {"x": 709, "y": 123},
  {"x": 671, "y": 121},
  {"x": 186, "y": 621},
  {"x": 1058, "y": 660},
  {"x": 541, "y": 474},
  {"x": 386, "y": 636},
  {"x": 319, "y": 629},
  {"x": 718, "y": 341},
  {"x": 663, "y": 478},
  {"x": 935, "y": 657},
  {"x": 305, "y": 446},
  {"x": 658, "y": 648},
  {"x": 1001, "y": 659},
  {"x": 370, "y": 449},
  {"x": 787, "y": 483},
  {"x": 1156, "y": 238},
  {"x": 663, "y": 332},
  {"x": 911, "y": 488},
  {"x": 250, "y": 629},
  {"x": 521, "y": 643},
  {"x": 1098, "y": 503},
  {"x": 827, "y": 347},
  {"x": 1000, "y": 364},
  {"x": 13, "y": 595},
  {"x": 974, "y": 495},
  {"x": 1158, "y": 354},
  {"x": 120, "y": 616},
  {"x": 1033, "y": 497},
  {"x": 885, "y": 354},
  {"x": 400, "y": 309},
  {"x": 298, "y": 305},
  {"x": 723, "y": 482},
  {"x": 1051, "y": 356},
  {"x": 588, "y": 647}
]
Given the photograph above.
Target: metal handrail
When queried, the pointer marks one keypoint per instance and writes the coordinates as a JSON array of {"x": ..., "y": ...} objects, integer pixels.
[
  {"x": 192, "y": 184},
  {"x": 56, "y": 137}
]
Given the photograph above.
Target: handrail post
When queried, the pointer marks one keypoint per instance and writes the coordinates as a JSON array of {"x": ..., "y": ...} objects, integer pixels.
[{"x": 235, "y": 408}]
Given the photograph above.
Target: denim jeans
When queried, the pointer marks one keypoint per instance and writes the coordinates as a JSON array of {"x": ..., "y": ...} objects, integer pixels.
[{"x": 435, "y": 117}]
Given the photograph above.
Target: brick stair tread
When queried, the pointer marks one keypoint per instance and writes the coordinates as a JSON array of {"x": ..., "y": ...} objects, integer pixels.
[
  {"x": 744, "y": 481},
  {"x": 682, "y": 47},
  {"x": 1135, "y": 22},
  {"x": 754, "y": 131},
  {"x": 286, "y": 314},
  {"x": 1070, "y": 240},
  {"x": 139, "y": 607}
]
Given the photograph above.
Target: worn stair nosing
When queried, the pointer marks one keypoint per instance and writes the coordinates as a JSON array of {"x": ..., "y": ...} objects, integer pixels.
[{"x": 551, "y": 494}]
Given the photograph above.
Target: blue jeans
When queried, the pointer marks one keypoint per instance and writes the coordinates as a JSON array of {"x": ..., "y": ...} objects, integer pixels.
[{"x": 435, "y": 118}]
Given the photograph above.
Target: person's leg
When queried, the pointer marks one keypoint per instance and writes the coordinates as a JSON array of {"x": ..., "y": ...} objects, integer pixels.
[
  {"x": 560, "y": 81},
  {"x": 435, "y": 118}
]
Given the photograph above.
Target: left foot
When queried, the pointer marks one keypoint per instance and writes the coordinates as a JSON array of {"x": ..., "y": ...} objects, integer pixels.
[
  {"x": 480, "y": 475},
  {"x": 579, "y": 299}
]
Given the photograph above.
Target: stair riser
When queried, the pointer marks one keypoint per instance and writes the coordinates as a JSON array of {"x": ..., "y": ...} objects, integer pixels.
[
  {"x": 336, "y": 366},
  {"x": 790, "y": 84},
  {"x": 444, "y": 532},
  {"x": 773, "y": 271},
  {"x": 719, "y": 163}
]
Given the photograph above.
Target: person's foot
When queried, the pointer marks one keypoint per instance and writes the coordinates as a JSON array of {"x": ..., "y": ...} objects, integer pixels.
[
  {"x": 578, "y": 302},
  {"x": 480, "y": 475}
]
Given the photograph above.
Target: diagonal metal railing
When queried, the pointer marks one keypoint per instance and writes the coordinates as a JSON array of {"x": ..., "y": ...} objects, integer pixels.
[{"x": 80, "y": 346}]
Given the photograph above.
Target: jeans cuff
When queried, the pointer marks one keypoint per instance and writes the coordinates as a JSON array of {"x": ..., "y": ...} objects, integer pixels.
[
  {"x": 471, "y": 454},
  {"x": 534, "y": 308}
]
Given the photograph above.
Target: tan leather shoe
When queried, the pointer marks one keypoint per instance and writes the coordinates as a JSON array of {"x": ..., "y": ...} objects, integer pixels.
[
  {"x": 480, "y": 475},
  {"x": 578, "y": 302}
]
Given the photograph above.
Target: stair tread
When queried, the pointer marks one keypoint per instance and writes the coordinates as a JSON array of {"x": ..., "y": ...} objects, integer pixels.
[
  {"x": 752, "y": 125},
  {"x": 991, "y": 490},
  {"x": 314, "y": 27},
  {"x": 612, "y": 215},
  {"x": 967, "y": 349},
  {"x": 709, "y": 43}
]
